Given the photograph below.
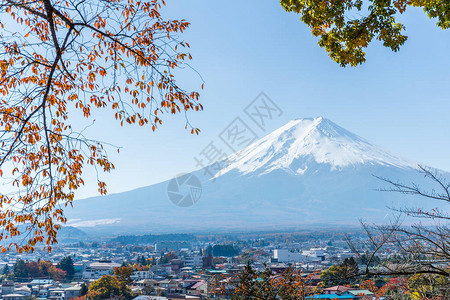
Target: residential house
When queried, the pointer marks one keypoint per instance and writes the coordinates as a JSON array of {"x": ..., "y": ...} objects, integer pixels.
[
  {"x": 337, "y": 289},
  {"x": 72, "y": 292}
]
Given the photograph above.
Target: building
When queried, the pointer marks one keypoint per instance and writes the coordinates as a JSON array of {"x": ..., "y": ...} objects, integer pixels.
[
  {"x": 359, "y": 294},
  {"x": 285, "y": 256},
  {"x": 7, "y": 287},
  {"x": 56, "y": 294},
  {"x": 23, "y": 290},
  {"x": 208, "y": 262},
  {"x": 13, "y": 297},
  {"x": 72, "y": 292},
  {"x": 315, "y": 254},
  {"x": 98, "y": 269},
  {"x": 138, "y": 275},
  {"x": 337, "y": 289},
  {"x": 195, "y": 261}
]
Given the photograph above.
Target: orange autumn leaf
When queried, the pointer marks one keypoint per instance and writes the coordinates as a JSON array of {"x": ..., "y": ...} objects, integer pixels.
[{"x": 120, "y": 56}]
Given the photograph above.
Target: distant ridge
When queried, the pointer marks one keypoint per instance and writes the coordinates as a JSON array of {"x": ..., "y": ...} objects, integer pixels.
[
  {"x": 309, "y": 171},
  {"x": 152, "y": 238}
]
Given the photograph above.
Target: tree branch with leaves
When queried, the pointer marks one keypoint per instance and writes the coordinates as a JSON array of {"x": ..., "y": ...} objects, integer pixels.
[
  {"x": 346, "y": 27},
  {"x": 60, "y": 57}
]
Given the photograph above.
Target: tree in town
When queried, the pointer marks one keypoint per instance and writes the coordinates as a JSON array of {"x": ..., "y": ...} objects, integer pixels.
[
  {"x": 346, "y": 27},
  {"x": 266, "y": 288},
  {"x": 56, "y": 273},
  {"x": 66, "y": 264},
  {"x": 219, "y": 260},
  {"x": 148, "y": 289},
  {"x": 124, "y": 275},
  {"x": 429, "y": 286},
  {"x": 20, "y": 270},
  {"x": 107, "y": 287},
  {"x": 222, "y": 250},
  {"x": 112, "y": 286},
  {"x": 293, "y": 285},
  {"x": 246, "y": 287},
  {"x": 343, "y": 274},
  {"x": 141, "y": 260},
  {"x": 252, "y": 284},
  {"x": 44, "y": 266},
  {"x": 5, "y": 270},
  {"x": 84, "y": 290},
  {"x": 207, "y": 251},
  {"x": 166, "y": 258},
  {"x": 61, "y": 59},
  {"x": 33, "y": 269},
  {"x": 396, "y": 288}
]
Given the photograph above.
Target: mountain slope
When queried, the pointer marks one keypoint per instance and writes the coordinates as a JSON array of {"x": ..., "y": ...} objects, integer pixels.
[
  {"x": 309, "y": 171},
  {"x": 300, "y": 143}
]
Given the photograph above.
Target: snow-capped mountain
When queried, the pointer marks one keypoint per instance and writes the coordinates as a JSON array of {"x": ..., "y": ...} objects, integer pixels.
[
  {"x": 309, "y": 171},
  {"x": 300, "y": 143}
]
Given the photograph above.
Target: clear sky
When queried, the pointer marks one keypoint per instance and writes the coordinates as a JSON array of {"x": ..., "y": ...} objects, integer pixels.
[{"x": 399, "y": 101}]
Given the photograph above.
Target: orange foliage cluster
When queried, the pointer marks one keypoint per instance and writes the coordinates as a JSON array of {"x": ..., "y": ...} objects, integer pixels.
[
  {"x": 58, "y": 57},
  {"x": 291, "y": 284}
]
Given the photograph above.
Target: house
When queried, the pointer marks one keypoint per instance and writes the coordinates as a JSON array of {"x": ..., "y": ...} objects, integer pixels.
[
  {"x": 40, "y": 282},
  {"x": 178, "y": 297},
  {"x": 331, "y": 297},
  {"x": 72, "y": 292},
  {"x": 197, "y": 287},
  {"x": 56, "y": 294},
  {"x": 143, "y": 297},
  {"x": 145, "y": 283},
  {"x": 168, "y": 284},
  {"x": 200, "y": 287},
  {"x": 7, "y": 287},
  {"x": 13, "y": 297},
  {"x": 42, "y": 293},
  {"x": 337, "y": 289},
  {"x": 23, "y": 290},
  {"x": 359, "y": 294}
]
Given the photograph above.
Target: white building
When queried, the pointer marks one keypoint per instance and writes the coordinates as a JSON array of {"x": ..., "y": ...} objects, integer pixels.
[
  {"x": 285, "y": 256},
  {"x": 96, "y": 270},
  {"x": 315, "y": 254},
  {"x": 138, "y": 275},
  {"x": 195, "y": 261}
]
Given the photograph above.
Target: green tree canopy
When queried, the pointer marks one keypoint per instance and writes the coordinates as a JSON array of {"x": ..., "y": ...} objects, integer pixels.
[
  {"x": 343, "y": 274},
  {"x": 346, "y": 27},
  {"x": 20, "y": 270},
  {"x": 106, "y": 287},
  {"x": 66, "y": 264},
  {"x": 5, "y": 270}
]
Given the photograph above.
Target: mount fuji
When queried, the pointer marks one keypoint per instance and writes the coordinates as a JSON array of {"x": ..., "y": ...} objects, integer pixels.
[{"x": 309, "y": 171}]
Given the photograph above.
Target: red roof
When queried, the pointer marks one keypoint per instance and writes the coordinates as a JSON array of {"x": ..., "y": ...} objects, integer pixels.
[{"x": 338, "y": 288}]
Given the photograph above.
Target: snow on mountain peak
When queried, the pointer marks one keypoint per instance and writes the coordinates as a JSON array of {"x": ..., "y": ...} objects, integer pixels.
[{"x": 303, "y": 144}]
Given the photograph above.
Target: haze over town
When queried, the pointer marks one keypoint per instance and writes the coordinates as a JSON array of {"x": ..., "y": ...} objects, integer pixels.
[{"x": 242, "y": 150}]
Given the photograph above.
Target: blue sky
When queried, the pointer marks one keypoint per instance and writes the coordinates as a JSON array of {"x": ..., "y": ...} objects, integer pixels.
[{"x": 399, "y": 101}]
